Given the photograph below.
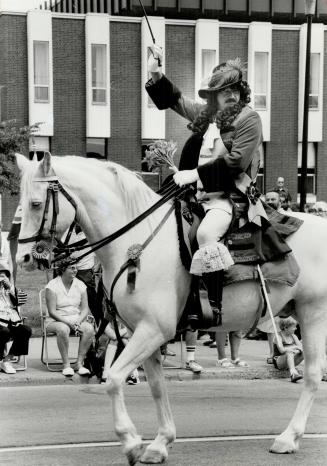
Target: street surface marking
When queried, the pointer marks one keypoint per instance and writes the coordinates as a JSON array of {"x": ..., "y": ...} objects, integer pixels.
[{"x": 180, "y": 440}]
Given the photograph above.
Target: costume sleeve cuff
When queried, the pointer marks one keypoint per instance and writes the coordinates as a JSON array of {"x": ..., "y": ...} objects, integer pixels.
[
  {"x": 163, "y": 93},
  {"x": 216, "y": 176}
]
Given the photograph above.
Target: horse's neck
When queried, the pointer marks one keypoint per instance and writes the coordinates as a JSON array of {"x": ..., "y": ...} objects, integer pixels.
[{"x": 102, "y": 209}]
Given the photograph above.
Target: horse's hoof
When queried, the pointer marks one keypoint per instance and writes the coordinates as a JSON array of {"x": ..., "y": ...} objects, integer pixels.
[
  {"x": 282, "y": 446},
  {"x": 151, "y": 456},
  {"x": 134, "y": 454}
]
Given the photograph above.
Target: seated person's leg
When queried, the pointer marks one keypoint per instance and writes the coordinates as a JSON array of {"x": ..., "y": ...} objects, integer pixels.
[
  {"x": 62, "y": 331},
  {"x": 85, "y": 343},
  {"x": 5, "y": 336},
  {"x": 21, "y": 335}
]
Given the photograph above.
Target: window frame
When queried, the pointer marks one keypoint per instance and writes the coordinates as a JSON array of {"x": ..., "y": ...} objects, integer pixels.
[
  {"x": 99, "y": 88},
  {"x": 41, "y": 86},
  {"x": 260, "y": 94},
  {"x": 311, "y": 95}
]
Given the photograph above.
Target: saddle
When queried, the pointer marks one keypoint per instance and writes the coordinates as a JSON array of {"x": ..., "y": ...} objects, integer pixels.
[{"x": 248, "y": 245}]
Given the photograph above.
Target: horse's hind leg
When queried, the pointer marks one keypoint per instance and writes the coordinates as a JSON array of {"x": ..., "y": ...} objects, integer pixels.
[
  {"x": 157, "y": 452},
  {"x": 313, "y": 329},
  {"x": 142, "y": 344}
]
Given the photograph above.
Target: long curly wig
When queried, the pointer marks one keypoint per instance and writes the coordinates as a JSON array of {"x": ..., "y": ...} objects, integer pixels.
[{"x": 222, "y": 118}]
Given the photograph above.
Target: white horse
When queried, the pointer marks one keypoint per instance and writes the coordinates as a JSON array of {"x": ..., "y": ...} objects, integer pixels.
[{"x": 108, "y": 196}]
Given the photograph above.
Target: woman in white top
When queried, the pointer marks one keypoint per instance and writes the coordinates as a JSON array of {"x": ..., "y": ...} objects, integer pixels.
[{"x": 66, "y": 300}]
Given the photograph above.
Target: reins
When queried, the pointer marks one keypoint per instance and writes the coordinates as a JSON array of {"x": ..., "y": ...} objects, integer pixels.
[
  {"x": 63, "y": 250},
  {"x": 171, "y": 190}
]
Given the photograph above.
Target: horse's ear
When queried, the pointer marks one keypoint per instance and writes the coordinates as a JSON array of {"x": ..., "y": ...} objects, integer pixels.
[
  {"x": 22, "y": 161},
  {"x": 46, "y": 164}
]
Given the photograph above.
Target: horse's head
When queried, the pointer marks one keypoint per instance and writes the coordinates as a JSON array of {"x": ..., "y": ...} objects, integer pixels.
[{"x": 46, "y": 212}]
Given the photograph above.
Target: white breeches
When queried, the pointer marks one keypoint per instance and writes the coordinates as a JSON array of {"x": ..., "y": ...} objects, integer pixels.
[{"x": 213, "y": 227}]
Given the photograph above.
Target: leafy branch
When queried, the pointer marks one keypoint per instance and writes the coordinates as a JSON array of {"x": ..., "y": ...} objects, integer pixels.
[{"x": 12, "y": 139}]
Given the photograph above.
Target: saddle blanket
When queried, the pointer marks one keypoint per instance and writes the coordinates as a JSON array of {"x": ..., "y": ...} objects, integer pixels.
[{"x": 284, "y": 271}]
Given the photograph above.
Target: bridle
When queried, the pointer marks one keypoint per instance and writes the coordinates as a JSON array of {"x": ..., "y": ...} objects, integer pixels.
[
  {"x": 41, "y": 250},
  {"x": 54, "y": 187}
]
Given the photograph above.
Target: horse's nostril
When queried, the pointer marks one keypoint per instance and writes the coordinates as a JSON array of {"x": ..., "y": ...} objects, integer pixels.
[{"x": 27, "y": 257}]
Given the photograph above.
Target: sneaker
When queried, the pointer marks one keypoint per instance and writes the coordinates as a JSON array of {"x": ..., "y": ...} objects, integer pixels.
[
  {"x": 68, "y": 372},
  {"x": 133, "y": 378},
  {"x": 296, "y": 376},
  {"x": 6, "y": 367},
  {"x": 208, "y": 342},
  {"x": 194, "y": 367},
  {"x": 83, "y": 371},
  {"x": 225, "y": 363},
  {"x": 239, "y": 362},
  {"x": 213, "y": 345}
]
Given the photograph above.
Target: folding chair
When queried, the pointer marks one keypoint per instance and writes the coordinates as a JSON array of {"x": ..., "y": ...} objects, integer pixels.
[{"x": 51, "y": 364}]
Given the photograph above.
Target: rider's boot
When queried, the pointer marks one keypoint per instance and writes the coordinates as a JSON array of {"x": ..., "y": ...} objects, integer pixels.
[{"x": 214, "y": 285}]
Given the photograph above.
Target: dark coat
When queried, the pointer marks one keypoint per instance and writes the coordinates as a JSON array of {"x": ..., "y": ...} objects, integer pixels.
[{"x": 242, "y": 140}]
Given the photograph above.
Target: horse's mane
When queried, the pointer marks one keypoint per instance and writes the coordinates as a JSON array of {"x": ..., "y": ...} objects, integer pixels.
[{"x": 136, "y": 194}]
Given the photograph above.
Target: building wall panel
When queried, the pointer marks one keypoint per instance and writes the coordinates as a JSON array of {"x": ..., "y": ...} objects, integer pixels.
[
  {"x": 13, "y": 75},
  {"x": 124, "y": 145},
  {"x": 180, "y": 68},
  {"x": 281, "y": 154},
  {"x": 322, "y": 146},
  {"x": 69, "y": 106}
]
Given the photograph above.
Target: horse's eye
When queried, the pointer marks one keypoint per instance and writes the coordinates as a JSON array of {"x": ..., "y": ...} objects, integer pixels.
[{"x": 36, "y": 204}]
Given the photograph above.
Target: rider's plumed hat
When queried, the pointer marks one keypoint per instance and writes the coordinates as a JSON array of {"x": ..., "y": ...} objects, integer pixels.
[{"x": 224, "y": 75}]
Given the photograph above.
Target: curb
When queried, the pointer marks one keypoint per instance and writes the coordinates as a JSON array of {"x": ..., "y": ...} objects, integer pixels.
[{"x": 171, "y": 375}]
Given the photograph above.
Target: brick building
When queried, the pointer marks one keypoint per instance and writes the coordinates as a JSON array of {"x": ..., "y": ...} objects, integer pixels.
[{"x": 79, "y": 67}]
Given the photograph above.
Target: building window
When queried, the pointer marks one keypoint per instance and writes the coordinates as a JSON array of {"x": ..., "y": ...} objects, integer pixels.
[
  {"x": 237, "y": 5},
  {"x": 260, "y": 80},
  {"x": 208, "y": 62},
  {"x": 311, "y": 169},
  {"x": 166, "y": 3},
  {"x": 96, "y": 148},
  {"x": 214, "y": 5},
  {"x": 150, "y": 102},
  {"x": 314, "y": 81},
  {"x": 99, "y": 73},
  {"x": 41, "y": 71},
  {"x": 262, "y": 6},
  {"x": 282, "y": 6},
  {"x": 260, "y": 182},
  {"x": 322, "y": 7}
]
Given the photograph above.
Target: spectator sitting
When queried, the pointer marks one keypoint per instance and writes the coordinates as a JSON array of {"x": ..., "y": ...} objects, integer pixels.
[
  {"x": 288, "y": 352},
  {"x": 11, "y": 326},
  {"x": 66, "y": 300},
  {"x": 319, "y": 209},
  {"x": 5, "y": 255}
]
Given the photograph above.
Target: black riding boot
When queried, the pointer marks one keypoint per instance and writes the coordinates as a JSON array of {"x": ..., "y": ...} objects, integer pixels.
[{"x": 214, "y": 284}]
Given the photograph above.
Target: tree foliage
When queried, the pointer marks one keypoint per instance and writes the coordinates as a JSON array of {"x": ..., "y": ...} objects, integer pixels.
[{"x": 12, "y": 139}]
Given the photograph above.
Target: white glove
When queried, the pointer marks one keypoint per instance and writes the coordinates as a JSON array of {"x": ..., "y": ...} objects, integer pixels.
[
  {"x": 155, "y": 59},
  {"x": 184, "y": 177}
]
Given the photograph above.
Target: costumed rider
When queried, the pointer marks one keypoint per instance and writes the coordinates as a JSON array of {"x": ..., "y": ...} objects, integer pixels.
[{"x": 222, "y": 157}]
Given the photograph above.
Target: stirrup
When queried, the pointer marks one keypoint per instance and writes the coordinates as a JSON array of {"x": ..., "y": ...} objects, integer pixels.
[{"x": 217, "y": 313}]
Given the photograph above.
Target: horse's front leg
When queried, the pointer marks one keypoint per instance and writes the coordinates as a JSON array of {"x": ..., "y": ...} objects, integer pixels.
[
  {"x": 142, "y": 344},
  {"x": 157, "y": 451},
  {"x": 313, "y": 335}
]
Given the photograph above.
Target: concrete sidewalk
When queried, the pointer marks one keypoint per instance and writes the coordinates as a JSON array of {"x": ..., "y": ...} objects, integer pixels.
[{"x": 253, "y": 352}]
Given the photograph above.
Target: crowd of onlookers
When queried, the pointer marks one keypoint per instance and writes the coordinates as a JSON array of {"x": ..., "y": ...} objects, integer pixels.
[{"x": 76, "y": 305}]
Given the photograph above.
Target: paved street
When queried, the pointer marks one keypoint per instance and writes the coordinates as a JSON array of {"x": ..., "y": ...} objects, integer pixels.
[{"x": 51, "y": 417}]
